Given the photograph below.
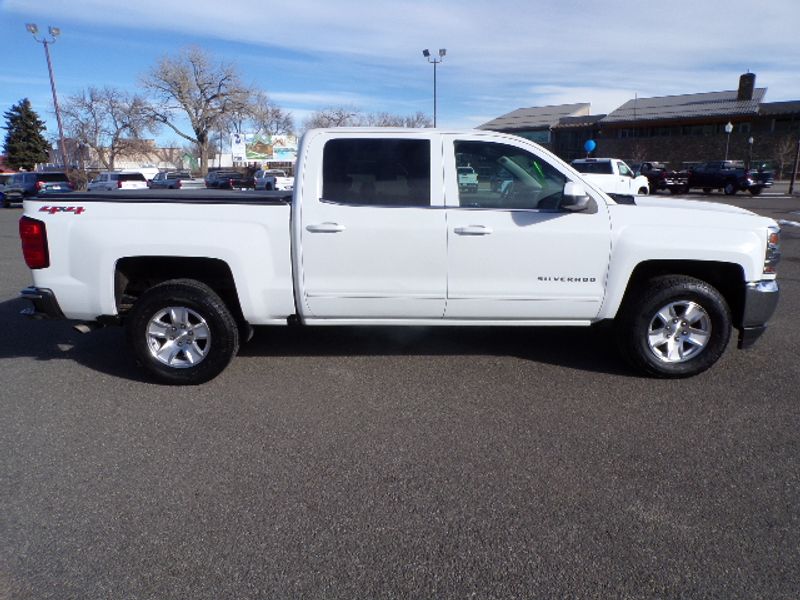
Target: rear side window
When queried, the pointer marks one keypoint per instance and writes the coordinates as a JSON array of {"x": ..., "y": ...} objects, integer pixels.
[
  {"x": 131, "y": 177},
  {"x": 377, "y": 172},
  {"x": 52, "y": 177},
  {"x": 597, "y": 168}
]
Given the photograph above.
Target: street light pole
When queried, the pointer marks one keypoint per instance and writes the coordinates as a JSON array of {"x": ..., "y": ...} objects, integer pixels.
[
  {"x": 54, "y": 33},
  {"x": 728, "y": 130},
  {"x": 434, "y": 61},
  {"x": 750, "y": 141}
]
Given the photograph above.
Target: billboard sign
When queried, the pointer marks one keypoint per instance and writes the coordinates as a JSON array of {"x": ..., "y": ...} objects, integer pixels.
[{"x": 261, "y": 147}]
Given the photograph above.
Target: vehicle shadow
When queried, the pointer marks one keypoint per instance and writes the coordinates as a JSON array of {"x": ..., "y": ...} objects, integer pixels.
[
  {"x": 586, "y": 349},
  {"x": 46, "y": 340},
  {"x": 106, "y": 351}
]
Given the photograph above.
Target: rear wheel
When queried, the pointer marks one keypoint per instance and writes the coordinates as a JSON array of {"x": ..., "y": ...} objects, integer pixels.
[
  {"x": 677, "y": 326},
  {"x": 182, "y": 332},
  {"x": 706, "y": 190}
]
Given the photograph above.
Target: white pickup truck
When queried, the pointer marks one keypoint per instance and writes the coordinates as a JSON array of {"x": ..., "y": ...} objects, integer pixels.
[
  {"x": 377, "y": 232},
  {"x": 612, "y": 175}
]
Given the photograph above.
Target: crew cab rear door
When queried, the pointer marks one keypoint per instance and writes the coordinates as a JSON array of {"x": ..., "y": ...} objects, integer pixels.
[
  {"x": 513, "y": 254},
  {"x": 372, "y": 231}
]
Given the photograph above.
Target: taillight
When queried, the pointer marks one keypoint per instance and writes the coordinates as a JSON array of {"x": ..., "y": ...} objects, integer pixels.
[
  {"x": 119, "y": 184},
  {"x": 230, "y": 182},
  {"x": 178, "y": 184},
  {"x": 33, "y": 234},
  {"x": 773, "y": 254},
  {"x": 39, "y": 186}
]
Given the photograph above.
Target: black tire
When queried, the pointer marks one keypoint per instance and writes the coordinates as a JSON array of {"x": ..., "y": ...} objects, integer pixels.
[
  {"x": 6, "y": 202},
  {"x": 642, "y": 191},
  {"x": 706, "y": 190},
  {"x": 755, "y": 191},
  {"x": 688, "y": 346},
  {"x": 201, "y": 322},
  {"x": 729, "y": 189}
]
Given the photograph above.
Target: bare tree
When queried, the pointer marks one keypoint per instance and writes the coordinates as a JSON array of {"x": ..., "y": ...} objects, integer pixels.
[
  {"x": 268, "y": 117},
  {"x": 109, "y": 121},
  {"x": 333, "y": 116},
  {"x": 191, "y": 85},
  {"x": 343, "y": 116},
  {"x": 784, "y": 153}
]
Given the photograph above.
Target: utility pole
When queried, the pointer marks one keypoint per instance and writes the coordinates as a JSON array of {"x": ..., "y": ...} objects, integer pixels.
[
  {"x": 796, "y": 167},
  {"x": 54, "y": 33},
  {"x": 434, "y": 61}
]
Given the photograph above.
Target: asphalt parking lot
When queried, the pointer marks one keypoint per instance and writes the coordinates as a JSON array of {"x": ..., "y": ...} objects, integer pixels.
[{"x": 360, "y": 463}]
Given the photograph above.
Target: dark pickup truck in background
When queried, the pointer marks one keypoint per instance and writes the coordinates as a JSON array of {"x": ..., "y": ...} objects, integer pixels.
[
  {"x": 729, "y": 176},
  {"x": 661, "y": 178}
]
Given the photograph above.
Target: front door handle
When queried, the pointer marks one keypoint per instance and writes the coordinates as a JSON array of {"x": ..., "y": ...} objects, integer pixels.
[
  {"x": 325, "y": 228},
  {"x": 473, "y": 230}
]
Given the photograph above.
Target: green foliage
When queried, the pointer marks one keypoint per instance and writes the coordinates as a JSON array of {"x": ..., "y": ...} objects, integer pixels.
[{"x": 24, "y": 145}]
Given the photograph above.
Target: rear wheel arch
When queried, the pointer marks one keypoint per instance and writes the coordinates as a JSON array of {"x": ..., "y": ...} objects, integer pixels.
[{"x": 135, "y": 275}]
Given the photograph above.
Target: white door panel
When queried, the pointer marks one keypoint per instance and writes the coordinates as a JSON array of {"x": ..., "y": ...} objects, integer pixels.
[
  {"x": 512, "y": 253},
  {"x": 365, "y": 252},
  {"x": 529, "y": 267}
]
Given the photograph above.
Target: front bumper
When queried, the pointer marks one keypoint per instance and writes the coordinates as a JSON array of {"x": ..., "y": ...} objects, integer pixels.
[
  {"x": 760, "y": 301},
  {"x": 45, "y": 305}
]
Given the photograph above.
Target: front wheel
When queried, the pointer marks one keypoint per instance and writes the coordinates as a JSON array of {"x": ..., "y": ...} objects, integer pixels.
[
  {"x": 643, "y": 191},
  {"x": 755, "y": 191},
  {"x": 182, "y": 332},
  {"x": 729, "y": 189},
  {"x": 677, "y": 326}
]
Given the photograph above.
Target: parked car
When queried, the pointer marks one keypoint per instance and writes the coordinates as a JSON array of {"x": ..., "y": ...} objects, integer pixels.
[
  {"x": 729, "y": 176},
  {"x": 4, "y": 177},
  {"x": 175, "y": 180},
  {"x": 660, "y": 177},
  {"x": 467, "y": 179},
  {"x": 113, "y": 180},
  {"x": 228, "y": 180},
  {"x": 273, "y": 179},
  {"x": 612, "y": 176},
  {"x": 25, "y": 185}
]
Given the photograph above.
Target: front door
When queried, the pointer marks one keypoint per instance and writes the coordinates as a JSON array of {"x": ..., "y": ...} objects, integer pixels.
[
  {"x": 512, "y": 253},
  {"x": 373, "y": 237}
]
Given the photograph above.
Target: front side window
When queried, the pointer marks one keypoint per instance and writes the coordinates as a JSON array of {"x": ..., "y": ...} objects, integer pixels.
[
  {"x": 508, "y": 177},
  {"x": 377, "y": 172},
  {"x": 624, "y": 170}
]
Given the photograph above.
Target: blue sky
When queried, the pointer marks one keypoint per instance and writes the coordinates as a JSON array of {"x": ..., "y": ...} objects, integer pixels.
[{"x": 501, "y": 55}]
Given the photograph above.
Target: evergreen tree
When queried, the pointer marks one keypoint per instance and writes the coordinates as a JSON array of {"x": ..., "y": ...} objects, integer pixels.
[{"x": 24, "y": 145}]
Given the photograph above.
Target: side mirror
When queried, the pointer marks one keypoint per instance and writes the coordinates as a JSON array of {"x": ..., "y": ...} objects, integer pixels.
[{"x": 575, "y": 198}]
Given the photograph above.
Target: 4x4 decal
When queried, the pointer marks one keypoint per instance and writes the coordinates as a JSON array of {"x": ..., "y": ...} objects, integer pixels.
[{"x": 62, "y": 209}]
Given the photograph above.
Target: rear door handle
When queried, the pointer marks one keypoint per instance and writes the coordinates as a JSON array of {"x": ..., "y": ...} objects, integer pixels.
[
  {"x": 325, "y": 228},
  {"x": 473, "y": 230}
]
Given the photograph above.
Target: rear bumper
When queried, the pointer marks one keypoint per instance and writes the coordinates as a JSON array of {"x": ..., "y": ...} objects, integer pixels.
[
  {"x": 760, "y": 301},
  {"x": 44, "y": 304}
]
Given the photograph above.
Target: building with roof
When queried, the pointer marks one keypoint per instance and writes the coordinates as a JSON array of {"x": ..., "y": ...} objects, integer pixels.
[
  {"x": 536, "y": 123},
  {"x": 684, "y": 129}
]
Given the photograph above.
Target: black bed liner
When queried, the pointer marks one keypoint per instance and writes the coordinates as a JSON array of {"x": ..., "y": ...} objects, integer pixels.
[{"x": 201, "y": 196}]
